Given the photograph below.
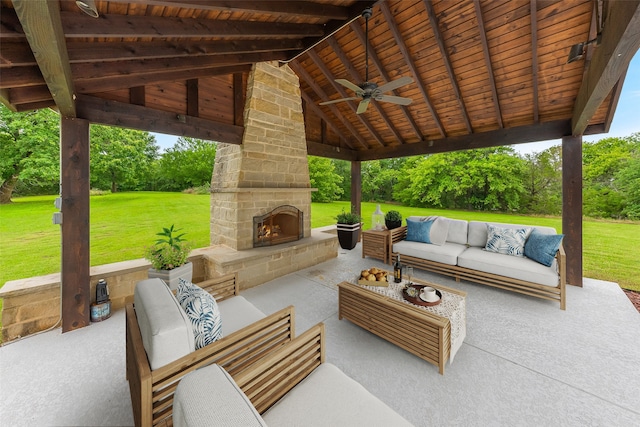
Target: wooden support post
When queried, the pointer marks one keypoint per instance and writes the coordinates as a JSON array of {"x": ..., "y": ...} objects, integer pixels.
[
  {"x": 238, "y": 100},
  {"x": 74, "y": 175},
  {"x": 356, "y": 186},
  {"x": 572, "y": 206}
]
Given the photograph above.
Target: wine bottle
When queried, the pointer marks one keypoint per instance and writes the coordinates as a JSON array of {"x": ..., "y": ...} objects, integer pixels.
[{"x": 397, "y": 270}]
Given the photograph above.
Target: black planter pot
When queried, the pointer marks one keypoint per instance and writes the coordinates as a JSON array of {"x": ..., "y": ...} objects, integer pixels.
[
  {"x": 348, "y": 235},
  {"x": 392, "y": 224}
]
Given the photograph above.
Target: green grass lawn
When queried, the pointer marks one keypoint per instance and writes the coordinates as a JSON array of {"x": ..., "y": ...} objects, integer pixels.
[{"x": 123, "y": 224}]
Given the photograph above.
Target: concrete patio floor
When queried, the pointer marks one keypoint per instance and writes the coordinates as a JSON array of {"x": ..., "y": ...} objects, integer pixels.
[{"x": 523, "y": 362}]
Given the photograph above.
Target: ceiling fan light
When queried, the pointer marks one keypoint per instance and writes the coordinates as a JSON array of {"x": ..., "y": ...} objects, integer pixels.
[
  {"x": 577, "y": 52},
  {"x": 88, "y": 7}
]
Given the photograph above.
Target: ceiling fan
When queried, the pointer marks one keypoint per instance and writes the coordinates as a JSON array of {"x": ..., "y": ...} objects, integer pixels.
[{"x": 370, "y": 90}]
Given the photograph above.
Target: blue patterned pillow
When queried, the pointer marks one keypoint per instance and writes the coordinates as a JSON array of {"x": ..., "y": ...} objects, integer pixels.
[
  {"x": 419, "y": 231},
  {"x": 202, "y": 310},
  {"x": 508, "y": 241},
  {"x": 542, "y": 247}
]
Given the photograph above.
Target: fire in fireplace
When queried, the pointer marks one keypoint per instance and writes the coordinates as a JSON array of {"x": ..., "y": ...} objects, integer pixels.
[{"x": 281, "y": 225}]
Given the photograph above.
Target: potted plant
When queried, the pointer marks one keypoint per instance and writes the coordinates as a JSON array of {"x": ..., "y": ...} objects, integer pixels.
[
  {"x": 168, "y": 257},
  {"x": 348, "y": 229},
  {"x": 392, "y": 219}
]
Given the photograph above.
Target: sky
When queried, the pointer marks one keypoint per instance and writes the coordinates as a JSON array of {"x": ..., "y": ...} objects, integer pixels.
[{"x": 626, "y": 119}]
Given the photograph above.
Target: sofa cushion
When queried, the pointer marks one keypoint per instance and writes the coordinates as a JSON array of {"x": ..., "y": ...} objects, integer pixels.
[
  {"x": 478, "y": 231},
  {"x": 507, "y": 241},
  {"x": 202, "y": 311},
  {"x": 453, "y": 230},
  {"x": 210, "y": 397},
  {"x": 542, "y": 247},
  {"x": 236, "y": 313},
  {"x": 419, "y": 231},
  {"x": 445, "y": 254},
  {"x": 165, "y": 328},
  {"x": 328, "y": 397},
  {"x": 509, "y": 266}
]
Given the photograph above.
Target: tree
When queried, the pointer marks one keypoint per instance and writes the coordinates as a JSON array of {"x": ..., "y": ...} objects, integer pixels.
[
  {"x": 343, "y": 168},
  {"x": 29, "y": 151},
  {"x": 543, "y": 182},
  {"x": 189, "y": 163},
  {"x": 379, "y": 177},
  {"x": 121, "y": 158},
  {"x": 322, "y": 176}
]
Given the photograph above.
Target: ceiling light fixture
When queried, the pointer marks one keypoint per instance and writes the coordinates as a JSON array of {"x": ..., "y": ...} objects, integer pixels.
[
  {"x": 88, "y": 7},
  {"x": 578, "y": 50}
]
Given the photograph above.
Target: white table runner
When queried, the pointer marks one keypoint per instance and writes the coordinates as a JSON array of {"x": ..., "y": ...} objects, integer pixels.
[{"x": 452, "y": 307}]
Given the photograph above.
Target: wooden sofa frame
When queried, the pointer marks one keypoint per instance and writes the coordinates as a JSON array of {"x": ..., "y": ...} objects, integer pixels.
[
  {"x": 152, "y": 390},
  {"x": 269, "y": 379},
  {"x": 462, "y": 273}
]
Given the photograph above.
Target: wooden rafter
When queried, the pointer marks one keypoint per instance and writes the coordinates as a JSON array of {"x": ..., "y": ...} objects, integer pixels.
[
  {"x": 447, "y": 63},
  {"x": 338, "y": 88},
  {"x": 487, "y": 62},
  {"x": 355, "y": 76},
  {"x": 620, "y": 42},
  {"x": 357, "y": 29},
  {"x": 40, "y": 20},
  {"x": 412, "y": 66},
  {"x": 325, "y": 118},
  {"x": 615, "y": 94},
  {"x": 534, "y": 58}
]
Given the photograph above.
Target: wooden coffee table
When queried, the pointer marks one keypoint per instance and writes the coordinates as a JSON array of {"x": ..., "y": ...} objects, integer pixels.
[{"x": 415, "y": 329}]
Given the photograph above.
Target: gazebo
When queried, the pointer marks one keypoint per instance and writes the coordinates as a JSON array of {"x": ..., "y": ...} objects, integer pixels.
[{"x": 478, "y": 74}]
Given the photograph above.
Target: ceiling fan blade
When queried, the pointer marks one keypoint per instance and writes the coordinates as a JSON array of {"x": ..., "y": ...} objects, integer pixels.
[
  {"x": 362, "y": 107},
  {"x": 395, "y": 84},
  {"x": 346, "y": 83},
  {"x": 354, "y": 98},
  {"x": 394, "y": 99}
]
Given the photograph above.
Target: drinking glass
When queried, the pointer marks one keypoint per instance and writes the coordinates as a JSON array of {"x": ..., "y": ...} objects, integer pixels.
[{"x": 409, "y": 274}]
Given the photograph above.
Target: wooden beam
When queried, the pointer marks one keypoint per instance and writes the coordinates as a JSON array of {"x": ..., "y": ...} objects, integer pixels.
[
  {"x": 620, "y": 42},
  {"x": 356, "y": 187},
  {"x": 435, "y": 27},
  {"x": 572, "y": 207},
  {"x": 517, "y": 135},
  {"x": 21, "y": 77},
  {"x": 389, "y": 19},
  {"x": 115, "y": 113},
  {"x": 534, "y": 58},
  {"x": 331, "y": 151},
  {"x": 343, "y": 93},
  {"x": 193, "y": 98},
  {"x": 615, "y": 96},
  {"x": 40, "y": 20},
  {"x": 357, "y": 29},
  {"x": 79, "y": 25},
  {"x": 137, "y": 95},
  {"x": 74, "y": 176},
  {"x": 310, "y": 105},
  {"x": 238, "y": 99}
]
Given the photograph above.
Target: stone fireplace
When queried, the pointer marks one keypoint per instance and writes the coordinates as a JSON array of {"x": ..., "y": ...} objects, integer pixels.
[
  {"x": 281, "y": 225},
  {"x": 267, "y": 171}
]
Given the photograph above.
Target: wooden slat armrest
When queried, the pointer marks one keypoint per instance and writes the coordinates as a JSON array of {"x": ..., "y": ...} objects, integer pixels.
[
  {"x": 267, "y": 380},
  {"x": 398, "y": 234},
  {"x": 222, "y": 287}
]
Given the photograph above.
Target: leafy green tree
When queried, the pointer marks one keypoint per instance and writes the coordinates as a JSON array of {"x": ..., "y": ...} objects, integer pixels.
[
  {"x": 189, "y": 163},
  {"x": 343, "y": 168},
  {"x": 379, "y": 178},
  {"x": 121, "y": 158},
  {"x": 543, "y": 182},
  {"x": 322, "y": 176}
]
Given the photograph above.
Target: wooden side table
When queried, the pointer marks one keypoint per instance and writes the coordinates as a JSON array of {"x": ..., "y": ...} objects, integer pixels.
[{"x": 375, "y": 244}]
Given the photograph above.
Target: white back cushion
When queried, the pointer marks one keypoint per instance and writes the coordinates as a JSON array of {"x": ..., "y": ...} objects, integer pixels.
[
  {"x": 478, "y": 231},
  {"x": 166, "y": 331}
]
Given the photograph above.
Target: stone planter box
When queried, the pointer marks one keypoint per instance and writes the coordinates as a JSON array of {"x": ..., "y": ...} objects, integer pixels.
[{"x": 171, "y": 277}]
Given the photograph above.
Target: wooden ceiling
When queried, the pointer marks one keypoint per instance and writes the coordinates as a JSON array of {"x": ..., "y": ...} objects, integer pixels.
[{"x": 485, "y": 72}]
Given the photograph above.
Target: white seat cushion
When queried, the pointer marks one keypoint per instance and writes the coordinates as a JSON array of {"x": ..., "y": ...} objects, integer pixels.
[
  {"x": 509, "y": 266},
  {"x": 328, "y": 397},
  {"x": 236, "y": 313},
  {"x": 445, "y": 254},
  {"x": 165, "y": 328},
  {"x": 210, "y": 397}
]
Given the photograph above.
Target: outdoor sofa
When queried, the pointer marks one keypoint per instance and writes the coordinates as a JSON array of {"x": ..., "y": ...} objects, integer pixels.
[
  {"x": 160, "y": 342},
  {"x": 291, "y": 386},
  {"x": 465, "y": 250}
]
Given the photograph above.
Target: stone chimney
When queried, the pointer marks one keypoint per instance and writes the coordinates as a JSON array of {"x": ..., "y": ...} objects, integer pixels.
[{"x": 270, "y": 168}]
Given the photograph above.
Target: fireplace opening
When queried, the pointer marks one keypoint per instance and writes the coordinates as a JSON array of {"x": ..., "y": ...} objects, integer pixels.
[{"x": 281, "y": 225}]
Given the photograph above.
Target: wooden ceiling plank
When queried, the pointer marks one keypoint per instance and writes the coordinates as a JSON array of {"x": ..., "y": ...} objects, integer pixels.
[
  {"x": 29, "y": 94},
  {"x": 410, "y": 63},
  {"x": 21, "y": 77},
  {"x": 620, "y": 42},
  {"x": 304, "y": 75},
  {"x": 10, "y": 27},
  {"x": 357, "y": 29},
  {"x": 40, "y": 20},
  {"x": 135, "y": 26},
  {"x": 105, "y": 51},
  {"x": 534, "y": 59},
  {"x": 343, "y": 93},
  {"x": 355, "y": 76},
  {"x": 295, "y": 8},
  {"x": 104, "y": 84},
  {"x": 325, "y": 119},
  {"x": 435, "y": 27},
  {"x": 16, "y": 54},
  {"x": 114, "y": 113}
]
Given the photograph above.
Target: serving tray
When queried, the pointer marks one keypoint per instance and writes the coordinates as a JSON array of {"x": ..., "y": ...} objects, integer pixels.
[{"x": 417, "y": 300}]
